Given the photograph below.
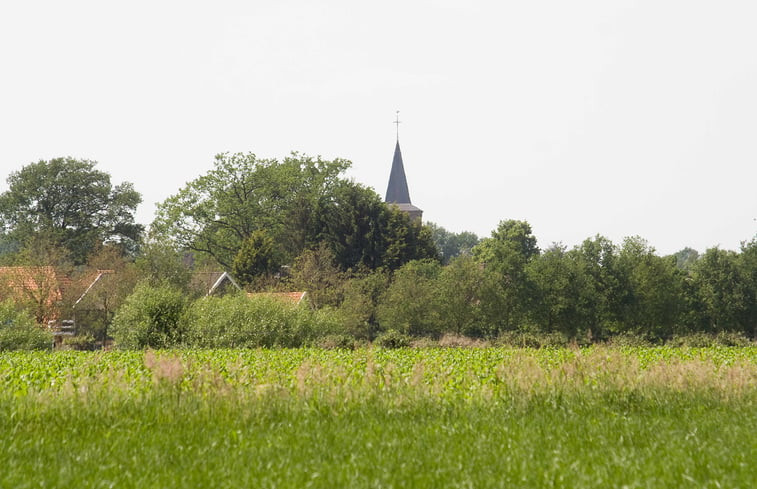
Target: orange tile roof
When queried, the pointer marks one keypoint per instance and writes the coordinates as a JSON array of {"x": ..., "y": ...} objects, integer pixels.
[{"x": 42, "y": 285}]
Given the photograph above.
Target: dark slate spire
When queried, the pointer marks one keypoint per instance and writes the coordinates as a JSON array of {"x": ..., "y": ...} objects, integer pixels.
[{"x": 396, "y": 191}]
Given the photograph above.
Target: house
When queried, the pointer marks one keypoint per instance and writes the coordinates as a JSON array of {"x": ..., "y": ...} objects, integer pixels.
[
  {"x": 41, "y": 289},
  {"x": 214, "y": 283}
]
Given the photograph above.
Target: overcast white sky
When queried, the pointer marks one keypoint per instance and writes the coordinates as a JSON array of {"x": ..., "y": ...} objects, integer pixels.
[{"x": 584, "y": 117}]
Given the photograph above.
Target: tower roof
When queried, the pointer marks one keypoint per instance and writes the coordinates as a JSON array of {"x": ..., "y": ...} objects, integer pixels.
[{"x": 397, "y": 191}]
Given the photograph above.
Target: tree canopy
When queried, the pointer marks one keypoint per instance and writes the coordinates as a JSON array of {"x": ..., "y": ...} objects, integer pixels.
[
  {"x": 69, "y": 203},
  {"x": 299, "y": 202}
]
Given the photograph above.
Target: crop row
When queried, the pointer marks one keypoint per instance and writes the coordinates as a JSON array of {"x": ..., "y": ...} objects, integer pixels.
[{"x": 440, "y": 372}]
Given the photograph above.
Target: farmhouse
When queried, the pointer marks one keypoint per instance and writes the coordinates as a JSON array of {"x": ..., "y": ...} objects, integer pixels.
[{"x": 41, "y": 289}]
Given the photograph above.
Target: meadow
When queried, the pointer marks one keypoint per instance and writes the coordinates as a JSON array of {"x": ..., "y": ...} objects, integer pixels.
[{"x": 427, "y": 417}]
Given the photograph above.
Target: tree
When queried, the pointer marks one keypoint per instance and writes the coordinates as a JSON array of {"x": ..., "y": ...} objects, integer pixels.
[
  {"x": 70, "y": 203},
  {"x": 362, "y": 296},
  {"x": 315, "y": 272},
  {"x": 217, "y": 212},
  {"x": 257, "y": 259},
  {"x": 560, "y": 293},
  {"x": 748, "y": 270},
  {"x": 151, "y": 317},
  {"x": 409, "y": 305},
  {"x": 655, "y": 290},
  {"x": 459, "y": 296},
  {"x": 721, "y": 291},
  {"x": 160, "y": 262},
  {"x": 604, "y": 287},
  {"x": 686, "y": 258},
  {"x": 504, "y": 255},
  {"x": 107, "y": 279},
  {"x": 300, "y": 202},
  {"x": 452, "y": 244}
]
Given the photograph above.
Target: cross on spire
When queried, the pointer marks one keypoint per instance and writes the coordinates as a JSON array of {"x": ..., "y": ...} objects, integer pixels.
[{"x": 397, "y": 122}]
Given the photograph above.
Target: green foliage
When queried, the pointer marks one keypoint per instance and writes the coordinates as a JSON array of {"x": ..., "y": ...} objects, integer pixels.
[
  {"x": 438, "y": 417},
  {"x": 257, "y": 259},
  {"x": 654, "y": 285},
  {"x": 80, "y": 342},
  {"x": 151, "y": 317},
  {"x": 336, "y": 342},
  {"x": 363, "y": 232},
  {"x": 451, "y": 245},
  {"x": 18, "y": 331},
  {"x": 709, "y": 340},
  {"x": 362, "y": 296},
  {"x": 410, "y": 303},
  {"x": 161, "y": 263},
  {"x": 507, "y": 291},
  {"x": 316, "y": 273},
  {"x": 630, "y": 340},
  {"x": 239, "y": 321},
  {"x": 71, "y": 204},
  {"x": 458, "y": 297},
  {"x": 217, "y": 212},
  {"x": 525, "y": 339},
  {"x": 301, "y": 202},
  {"x": 686, "y": 258},
  {"x": 559, "y": 293},
  {"x": 722, "y": 292},
  {"x": 392, "y": 339}
]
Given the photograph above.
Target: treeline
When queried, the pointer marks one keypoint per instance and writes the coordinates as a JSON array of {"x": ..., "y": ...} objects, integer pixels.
[
  {"x": 596, "y": 291},
  {"x": 369, "y": 271}
]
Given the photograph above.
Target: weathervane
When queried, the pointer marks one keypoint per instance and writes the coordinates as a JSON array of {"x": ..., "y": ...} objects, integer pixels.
[{"x": 397, "y": 122}]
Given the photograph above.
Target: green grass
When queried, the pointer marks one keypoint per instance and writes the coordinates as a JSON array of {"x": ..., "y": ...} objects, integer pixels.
[{"x": 650, "y": 418}]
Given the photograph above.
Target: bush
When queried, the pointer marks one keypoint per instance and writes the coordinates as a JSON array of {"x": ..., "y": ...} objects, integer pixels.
[
  {"x": 336, "y": 342},
  {"x": 150, "y": 317},
  {"x": 458, "y": 341},
  {"x": 18, "y": 331},
  {"x": 392, "y": 339},
  {"x": 629, "y": 340},
  {"x": 705, "y": 340},
  {"x": 531, "y": 340},
  {"x": 80, "y": 342},
  {"x": 409, "y": 304},
  {"x": 239, "y": 321}
]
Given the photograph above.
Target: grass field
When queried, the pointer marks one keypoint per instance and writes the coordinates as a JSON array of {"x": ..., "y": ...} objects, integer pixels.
[{"x": 596, "y": 417}]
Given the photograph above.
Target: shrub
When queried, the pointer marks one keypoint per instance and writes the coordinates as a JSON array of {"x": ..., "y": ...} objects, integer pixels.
[
  {"x": 458, "y": 341},
  {"x": 705, "y": 340},
  {"x": 392, "y": 339},
  {"x": 81, "y": 342},
  {"x": 150, "y": 317},
  {"x": 532, "y": 340},
  {"x": 627, "y": 339},
  {"x": 409, "y": 304},
  {"x": 18, "y": 331},
  {"x": 239, "y": 321},
  {"x": 336, "y": 342}
]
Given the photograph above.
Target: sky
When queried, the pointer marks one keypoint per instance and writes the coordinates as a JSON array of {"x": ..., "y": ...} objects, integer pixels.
[{"x": 619, "y": 118}]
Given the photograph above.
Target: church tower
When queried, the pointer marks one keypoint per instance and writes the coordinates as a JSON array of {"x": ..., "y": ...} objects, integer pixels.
[{"x": 397, "y": 192}]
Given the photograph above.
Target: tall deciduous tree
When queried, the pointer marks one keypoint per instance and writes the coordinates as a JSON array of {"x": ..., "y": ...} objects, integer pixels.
[
  {"x": 451, "y": 245},
  {"x": 218, "y": 211},
  {"x": 70, "y": 203},
  {"x": 507, "y": 292},
  {"x": 301, "y": 202}
]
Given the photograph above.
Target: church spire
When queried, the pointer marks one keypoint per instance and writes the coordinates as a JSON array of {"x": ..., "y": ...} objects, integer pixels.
[{"x": 397, "y": 192}]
